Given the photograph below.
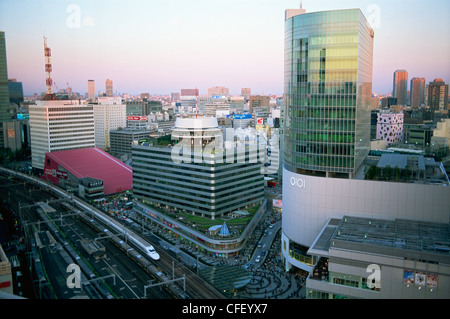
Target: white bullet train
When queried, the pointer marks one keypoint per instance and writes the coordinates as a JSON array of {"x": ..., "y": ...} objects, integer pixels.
[
  {"x": 147, "y": 248},
  {"x": 137, "y": 240}
]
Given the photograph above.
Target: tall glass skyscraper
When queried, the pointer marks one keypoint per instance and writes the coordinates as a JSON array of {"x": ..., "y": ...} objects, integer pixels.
[
  {"x": 4, "y": 91},
  {"x": 328, "y": 86}
]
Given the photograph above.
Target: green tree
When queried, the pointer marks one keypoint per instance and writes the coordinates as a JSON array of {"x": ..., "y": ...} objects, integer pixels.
[{"x": 387, "y": 173}]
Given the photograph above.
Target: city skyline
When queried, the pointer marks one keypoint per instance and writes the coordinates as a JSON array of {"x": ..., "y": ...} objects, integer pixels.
[{"x": 162, "y": 47}]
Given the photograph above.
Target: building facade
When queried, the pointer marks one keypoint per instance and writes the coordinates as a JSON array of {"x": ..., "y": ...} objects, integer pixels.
[
  {"x": 390, "y": 127},
  {"x": 219, "y": 90},
  {"x": 400, "y": 87},
  {"x": 328, "y": 85},
  {"x": 417, "y": 92},
  {"x": 438, "y": 95},
  {"x": 91, "y": 90},
  {"x": 60, "y": 125},
  {"x": 109, "y": 114},
  {"x": 121, "y": 140},
  {"x": 4, "y": 90},
  {"x": 380, "y": 259},
  {"x": 194, "y": 176},
  {"x": 109, "y": 88}
]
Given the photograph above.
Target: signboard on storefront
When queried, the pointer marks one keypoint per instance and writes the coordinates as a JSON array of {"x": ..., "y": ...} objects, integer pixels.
[{"x": 137, "y": 118}]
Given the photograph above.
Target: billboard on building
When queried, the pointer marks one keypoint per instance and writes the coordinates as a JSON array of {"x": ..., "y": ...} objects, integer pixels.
[
  {"x": 137, "y": 118},
  {"x": 277, "y": 203}
]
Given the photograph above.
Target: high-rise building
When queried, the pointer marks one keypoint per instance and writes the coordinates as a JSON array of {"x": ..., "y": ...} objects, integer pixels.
[
  {"x": 60, "y": 125},
  {"x": 400, "y": 89},
  {"x": 109, "y": 87},
  {"x": 260, "y": 101},
  {"x": 91, "y": 90},
  {"x": 189, "y": 92},
  {"x": 175, "y": 96},
  {"x": 327, "y": 174},
  {"x": 15, "y": 91},
  {"x": 4, "y": 91},
  {"x": 328, "y": 85},
  {"x": 417, "y": 92},
  {"x": 109, "y": 114},
  {"x": 204, "y": 180},
  {"x": 246, "y": 92},
  {"x": 219, "y": 91},
  {"x": 438, "y": 95}
]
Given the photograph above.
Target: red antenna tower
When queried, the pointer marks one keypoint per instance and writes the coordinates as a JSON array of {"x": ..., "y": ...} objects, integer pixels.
[{"x": 48, "y": 69}]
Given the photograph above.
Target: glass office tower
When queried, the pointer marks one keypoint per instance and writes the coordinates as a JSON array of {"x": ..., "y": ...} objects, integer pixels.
[{"x": 328, "y": 86}]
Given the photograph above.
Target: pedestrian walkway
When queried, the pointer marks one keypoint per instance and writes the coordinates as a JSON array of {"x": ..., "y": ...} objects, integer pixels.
[{"x": 273, "y": 285}]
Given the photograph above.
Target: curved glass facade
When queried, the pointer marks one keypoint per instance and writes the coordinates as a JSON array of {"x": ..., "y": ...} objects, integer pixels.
[{"x": 328, "y": 86}]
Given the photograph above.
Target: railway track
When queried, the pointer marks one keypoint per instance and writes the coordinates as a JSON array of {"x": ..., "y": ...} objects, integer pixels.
[{"x": 196, "y": 288}]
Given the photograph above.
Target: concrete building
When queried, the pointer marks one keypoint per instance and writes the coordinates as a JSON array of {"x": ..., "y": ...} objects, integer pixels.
[
  {"x": 121, "y": 140},
  {"x": 259, "y": 101},
  {"x": 91, "y": 188},
  {"x": 109, "y": 114},
  {"x": 188, "y": 104},
  {"x": 69, "y": 169},
  {"x": 218, "y": 90},
  {"x": 217, "y": 109},
  {"x": 91, "y": 90},
  {"x": 189, "y": 92},
  {"x": 400, "y": 87},
  {"x": 196, "y": 174},
  {"x": 4, "y": 89},
  {"x": 6, "y": 284},
  {"x": 59, "y": 125},
  {"x": 246, "y": 92},
  {"x": 109, "y": 88},
  {"x": 370, "y": 258},
  {"x": 390, "y": 127},
  {"x": 417, "y": 92},
  {"x": 16, "y": 134},
  {"x": 143, "y": 108},
  {"x": 438, "y": 95},
  {"x": 15, "y": 91}
]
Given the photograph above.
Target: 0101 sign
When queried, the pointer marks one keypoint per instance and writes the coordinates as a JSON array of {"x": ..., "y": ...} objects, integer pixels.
[{"x": 300, "y": 183}]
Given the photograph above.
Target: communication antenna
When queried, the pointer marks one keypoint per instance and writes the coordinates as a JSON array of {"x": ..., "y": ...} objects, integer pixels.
[{"x": 48, "y": 69}]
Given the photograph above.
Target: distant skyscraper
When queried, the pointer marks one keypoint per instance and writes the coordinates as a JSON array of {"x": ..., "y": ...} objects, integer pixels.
[
  {"x": 246, "y": 92},
  {"x": 4, "y": 92},
  {"x": 438, "y": 95},
  {"x": 400, "y": 89},
  {"x": 91, "y": 90},
  {"x": 176, "y": 96},
  {"x": 109, "y": 88},
  {"x": 189, "y": 92},
  {"x": 417, "y": 97},
  {"x": 109, "y": 114},
  {"x": 218, "y": 90}
]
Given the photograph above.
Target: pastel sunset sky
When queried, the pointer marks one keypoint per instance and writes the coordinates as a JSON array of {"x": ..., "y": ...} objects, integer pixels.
[{"x": 162, "y": 46}]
